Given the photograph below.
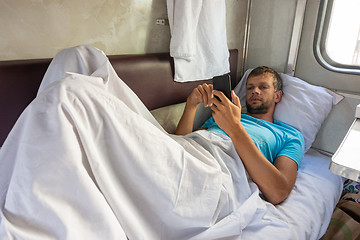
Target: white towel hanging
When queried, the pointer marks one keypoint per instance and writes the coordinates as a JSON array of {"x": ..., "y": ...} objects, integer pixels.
[{"x": 198, "y": 39}]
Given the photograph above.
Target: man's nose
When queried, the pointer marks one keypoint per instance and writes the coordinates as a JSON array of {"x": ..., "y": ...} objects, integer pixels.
[{"x": 256, "y": 90}]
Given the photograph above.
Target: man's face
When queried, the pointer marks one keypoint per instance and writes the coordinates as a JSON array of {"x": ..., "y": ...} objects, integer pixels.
[{"x": 260, "y": 94}]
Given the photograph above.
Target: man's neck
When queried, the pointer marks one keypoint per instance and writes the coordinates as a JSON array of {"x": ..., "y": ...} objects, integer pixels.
[{"x": 263, "y": 116}]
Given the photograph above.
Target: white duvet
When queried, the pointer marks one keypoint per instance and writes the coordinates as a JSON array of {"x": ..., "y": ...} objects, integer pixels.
[{"x": 86, "y": 160}]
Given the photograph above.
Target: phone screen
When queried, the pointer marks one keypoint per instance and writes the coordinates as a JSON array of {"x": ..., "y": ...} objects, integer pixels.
[{"x": 223, "y": 83}]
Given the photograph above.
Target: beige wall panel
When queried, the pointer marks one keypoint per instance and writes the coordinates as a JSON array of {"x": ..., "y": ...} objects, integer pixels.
[{"x": 40, "y": 28}]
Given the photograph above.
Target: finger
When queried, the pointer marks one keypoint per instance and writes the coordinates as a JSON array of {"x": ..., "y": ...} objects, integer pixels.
[
  {"x": 221, "y": 96},
  {"x": 214, "y": 109},
  {"x": 210, "y": 94},
  {"x": 202, "y": 95},
  {"x": 199, "y": 93},
  {"x": 235, "y": 98},
  {"x": 206, "y": 87},
  {"x": 215, "y": 100},
  {"x": 207, "y": 93}
]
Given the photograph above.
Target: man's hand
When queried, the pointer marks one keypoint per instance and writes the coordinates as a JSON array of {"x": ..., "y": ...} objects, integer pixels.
[
  {"x": 202, "y": 94},
  {"x": 226, "y": 114}
]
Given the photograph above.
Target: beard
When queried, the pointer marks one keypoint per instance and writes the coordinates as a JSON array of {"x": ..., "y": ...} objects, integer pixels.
[{"x": 261, "y": 109}]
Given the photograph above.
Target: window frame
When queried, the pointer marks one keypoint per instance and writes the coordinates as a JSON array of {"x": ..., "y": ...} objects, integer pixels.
[{"x": 319, "y": 48}]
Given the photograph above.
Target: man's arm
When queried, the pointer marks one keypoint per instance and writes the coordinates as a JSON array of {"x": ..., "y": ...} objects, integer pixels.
[
  {"x": 201, "y": 94},
  {"x": 274, "y": 181}
]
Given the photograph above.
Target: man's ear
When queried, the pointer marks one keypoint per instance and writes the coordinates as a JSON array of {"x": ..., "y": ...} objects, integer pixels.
[{"x": 278, "y": 96}]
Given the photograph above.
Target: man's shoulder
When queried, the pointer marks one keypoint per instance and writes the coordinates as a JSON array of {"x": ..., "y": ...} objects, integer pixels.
[{"x": 287, "y": 126}]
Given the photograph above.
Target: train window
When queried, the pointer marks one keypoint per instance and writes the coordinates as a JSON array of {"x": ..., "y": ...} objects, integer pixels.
[{"x": 337, "y": 38}]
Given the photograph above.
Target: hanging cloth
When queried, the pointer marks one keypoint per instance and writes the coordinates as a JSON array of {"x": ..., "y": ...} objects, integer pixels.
[{"x": 198, "y": 39}]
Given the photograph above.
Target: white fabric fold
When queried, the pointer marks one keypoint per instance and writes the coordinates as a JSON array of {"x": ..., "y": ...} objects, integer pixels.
[
  {"x": 86, "y": 160},
  {"x": 198, "y": 39}
]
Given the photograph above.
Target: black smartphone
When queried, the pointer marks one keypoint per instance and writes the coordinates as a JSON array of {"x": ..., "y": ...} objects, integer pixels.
[{"x": 223, "y": 83}]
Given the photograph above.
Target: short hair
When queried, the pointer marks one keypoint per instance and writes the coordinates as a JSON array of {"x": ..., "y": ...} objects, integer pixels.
[{"x": 278, "y": 85}]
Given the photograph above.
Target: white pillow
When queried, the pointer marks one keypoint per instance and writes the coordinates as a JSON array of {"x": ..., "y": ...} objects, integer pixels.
[{"x": 303, "y": 106}]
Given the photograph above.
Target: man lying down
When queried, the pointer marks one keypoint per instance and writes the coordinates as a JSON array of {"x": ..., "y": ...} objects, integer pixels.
[
  {"x": 87, "y": 160},
  {"x": 270, "y": 150}
]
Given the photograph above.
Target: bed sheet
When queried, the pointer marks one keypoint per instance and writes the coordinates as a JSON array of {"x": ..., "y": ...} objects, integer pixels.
[
  {"x": 87, "y": 160},
  {"x": 305, "y": 214},
  {"x": 314, "y": 197}
]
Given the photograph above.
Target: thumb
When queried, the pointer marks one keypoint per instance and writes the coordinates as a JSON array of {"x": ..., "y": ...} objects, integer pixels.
[{"x": 235, "y": 99}]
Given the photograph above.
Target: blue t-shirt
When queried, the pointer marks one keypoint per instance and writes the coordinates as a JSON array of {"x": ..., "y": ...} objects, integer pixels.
[{"x": 272, "y": 139}]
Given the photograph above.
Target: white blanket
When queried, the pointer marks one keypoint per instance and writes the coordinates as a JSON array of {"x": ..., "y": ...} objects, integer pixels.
[{"x": 82, "y": 164}]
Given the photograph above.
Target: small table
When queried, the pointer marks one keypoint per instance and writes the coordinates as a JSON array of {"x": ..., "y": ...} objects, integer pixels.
[{"x": 346, "y": 160}]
